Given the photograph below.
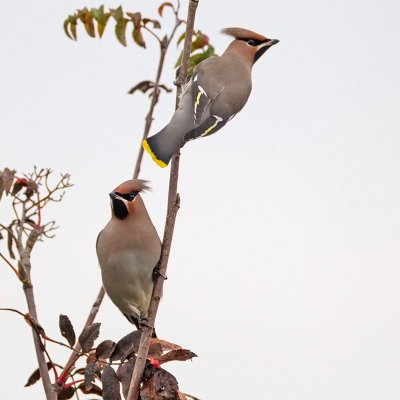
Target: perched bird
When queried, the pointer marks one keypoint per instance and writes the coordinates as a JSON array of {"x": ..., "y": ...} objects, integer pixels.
[
  {"x": 128, "y": 249},
  {"x": 217, "y": 91}
]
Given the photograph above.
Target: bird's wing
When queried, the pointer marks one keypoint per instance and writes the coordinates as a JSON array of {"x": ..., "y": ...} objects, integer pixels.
[{"x": 205, "y": 88}]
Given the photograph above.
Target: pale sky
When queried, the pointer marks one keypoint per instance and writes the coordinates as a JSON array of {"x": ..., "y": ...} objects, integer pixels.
[{"x": 284, "y": 274}]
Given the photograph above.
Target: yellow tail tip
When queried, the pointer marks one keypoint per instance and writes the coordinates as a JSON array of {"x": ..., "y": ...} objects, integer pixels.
[{"x": 155, "y": 159}]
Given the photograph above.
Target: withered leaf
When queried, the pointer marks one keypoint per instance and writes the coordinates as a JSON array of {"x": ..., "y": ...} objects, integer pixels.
[
  {"x": 8, "y": 179},
  {"x": 156, "y": 24},
  {"x": 138, "y": 37},
  {"x": 88, "y": 336},
  {"x": 143, "y": 86},
  {"x": 79, "y": 371},
  {"x": 155, "y": 348},
  {"x": 162, "y": 385},
  {"x": 70, "y": 26},
  {"x": 94, "y": 390},
  {"x": 105, "y": 349},
  {"x": 1, "y": 184},
  {"x": 165, "y": 4},
  {"x": 124, "y": 374},
  {"x": 111, "y": 389},
  {"x": 86, "y": 17},
  {"x": 126, "y": 346},
  {"x": 176, "y": 355},
  {"x": 91, "y": 370},
  {"x": 167, "y": 346},
  {"x": 31, "y": 188},
  {"x": 36, "y": 375},
  {"x": 181, "y": 396},
  {"x": 136, "y": 18},
  {"x": 18, "y": 185},
  {"x": 10, "y": 242},
  {"x": 67, "y": 330},
  {"x": 66, "y": 394}
]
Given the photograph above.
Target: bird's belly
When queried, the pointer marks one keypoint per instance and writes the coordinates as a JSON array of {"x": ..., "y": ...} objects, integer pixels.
[{"x": 128, "y": 281}]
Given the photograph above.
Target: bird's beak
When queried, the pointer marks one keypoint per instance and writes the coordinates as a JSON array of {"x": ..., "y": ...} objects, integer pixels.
[
  {"x": 263, "y": 47},
  {"x": 270, "y": 43},
  {"x": 113, "y": 195}
]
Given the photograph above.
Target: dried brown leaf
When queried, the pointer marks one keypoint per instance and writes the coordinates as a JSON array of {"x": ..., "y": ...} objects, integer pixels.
[
  {"x": 165, "y": 4},
  {"x": 156, "y": 24},
  {"x": 8, "y": 179},
  {"x": 94, "y": 390},
  {"x": 91, "y": 370},
  {"x": 67, "y": 330},
  {"x": 86, "y": 17},
  {"x": 155, "y": 348},
  {"x": 111, "y": 387},
  {"x": 10, "y": 242},
  {"x": 66, "y": 394},
  {"x": 181, "y": 396},
  {"x": 88, "y": 336},
  {"x": 143, "y": 86},
  {"x": 31, "y": 188},
  {"x": 162, "y": 385},
  {"x": 36, "y": 375},
  {"x": 18, "y": 185},
  {"x": 138, "y": 37},
  {"x": 126, "y": 346},
  {"x": 176, "y": 355},
  {"x": 105, "y": 349},
  {"x": 124, "y": 374},
  {"x": 1, "y": 184}
]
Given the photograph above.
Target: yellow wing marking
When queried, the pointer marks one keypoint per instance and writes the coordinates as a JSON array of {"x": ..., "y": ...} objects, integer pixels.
[{"x": 218, "y": 119}]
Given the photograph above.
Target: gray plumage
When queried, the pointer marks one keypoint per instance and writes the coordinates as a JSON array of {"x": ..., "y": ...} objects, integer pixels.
[{"x": 217, "y": 91}]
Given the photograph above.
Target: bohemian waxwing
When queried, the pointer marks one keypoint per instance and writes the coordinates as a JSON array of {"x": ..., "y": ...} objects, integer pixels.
[
  {"x": 128, "y": 249},
  {"x": 216, "y": 92}
]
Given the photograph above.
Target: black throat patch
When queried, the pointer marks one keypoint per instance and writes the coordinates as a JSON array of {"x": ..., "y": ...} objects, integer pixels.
[{"x": 119, "y": 208}]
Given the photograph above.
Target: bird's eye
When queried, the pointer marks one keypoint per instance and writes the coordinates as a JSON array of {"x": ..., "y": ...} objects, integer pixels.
[
  {"x": 131, "y": 196},
  {"x": 251, "y": 42},
  {"x": 128, "y": 196}
]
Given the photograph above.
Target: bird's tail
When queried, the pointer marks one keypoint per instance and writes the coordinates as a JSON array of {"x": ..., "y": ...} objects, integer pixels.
[{"x": 161, "y": 147}]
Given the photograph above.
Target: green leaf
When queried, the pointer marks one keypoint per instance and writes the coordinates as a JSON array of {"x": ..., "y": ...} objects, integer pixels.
[
  {"x": 117, "y": 14},
  {"x": 120, "y": 27},
  {"x": 199, "y": 57},
  {"x": 181, "y": 38},
  {"x": 101, "y": 18},
  {"x": 120, "y": 30},
  {"x": 70, "y": 23}
]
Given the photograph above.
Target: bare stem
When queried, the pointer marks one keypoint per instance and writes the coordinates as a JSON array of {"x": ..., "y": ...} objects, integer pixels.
[
  {"x": 164, "y": 45},
  {"x": 173, "y": 206}
]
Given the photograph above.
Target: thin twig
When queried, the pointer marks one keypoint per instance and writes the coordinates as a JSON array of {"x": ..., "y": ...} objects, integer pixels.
[
  {"x": 164, "y": 45},
  {"x": 173, "y": 206},
  {"x": 12, "y": 267}
]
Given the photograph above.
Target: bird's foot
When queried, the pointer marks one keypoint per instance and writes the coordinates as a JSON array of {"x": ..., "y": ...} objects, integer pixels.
[
  {"x": 143, "y": 323},
  {"x": 157, "y": 273}
]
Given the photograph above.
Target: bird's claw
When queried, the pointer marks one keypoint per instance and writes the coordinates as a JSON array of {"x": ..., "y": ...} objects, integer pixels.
[{"x": 157, "y": 273}]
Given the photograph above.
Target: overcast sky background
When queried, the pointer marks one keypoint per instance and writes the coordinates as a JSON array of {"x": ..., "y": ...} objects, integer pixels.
[{"x": 284, "y": 273}]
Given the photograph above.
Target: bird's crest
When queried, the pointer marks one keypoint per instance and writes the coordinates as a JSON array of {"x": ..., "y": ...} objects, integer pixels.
[
  {"x": 241, "y": 33},
  {"x": 137, "y": 185}
]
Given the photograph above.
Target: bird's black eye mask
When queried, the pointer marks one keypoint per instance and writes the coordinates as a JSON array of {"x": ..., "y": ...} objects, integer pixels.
[
  {"x": 254, "y": 42},
  {"x": 128, "y": 196}
]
